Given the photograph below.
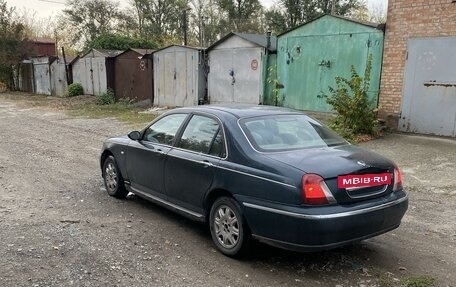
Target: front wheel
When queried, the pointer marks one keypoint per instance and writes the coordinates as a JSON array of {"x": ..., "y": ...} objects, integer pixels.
[
  {"x": 113, "y": 180},
  {"x": 228, "y": 229}
]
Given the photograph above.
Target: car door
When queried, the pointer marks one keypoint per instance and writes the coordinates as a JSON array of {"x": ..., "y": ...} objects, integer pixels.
[
  {"x": 146, "y": 157},
  {"x": 189, "y": 168}
]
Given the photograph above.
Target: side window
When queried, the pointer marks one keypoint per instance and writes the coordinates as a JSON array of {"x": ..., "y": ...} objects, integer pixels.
[
  {"x": 202, "y": 134},
  {"x": 217, "y": 147},
  {"x": 164, "y": 130}
]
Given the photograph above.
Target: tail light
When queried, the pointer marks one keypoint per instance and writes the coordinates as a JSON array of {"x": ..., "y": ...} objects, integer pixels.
[
  {"x": 397, "y": 179},
  {"x": 315, "y": 191}
]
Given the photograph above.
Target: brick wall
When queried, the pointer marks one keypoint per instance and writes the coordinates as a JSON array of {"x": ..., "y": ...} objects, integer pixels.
[{"x": 409, "y": 19}]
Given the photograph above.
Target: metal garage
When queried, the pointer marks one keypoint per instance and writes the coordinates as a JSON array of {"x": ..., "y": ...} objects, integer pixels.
[
  {"x": 179, "y": 76},
  {"x": 429, "y": 97},
  {"x": 311, "y": 56},
  {"x": 59, "y": 82},
  {"x": 42, "y": 74},
  {"x": 95, "y": 71},
  {"x": 134, "y": 75},
  {"x": 238, "y": 64}
]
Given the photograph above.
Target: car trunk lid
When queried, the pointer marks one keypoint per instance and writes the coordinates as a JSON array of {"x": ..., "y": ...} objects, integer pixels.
[{"x": 332, "y": 162}]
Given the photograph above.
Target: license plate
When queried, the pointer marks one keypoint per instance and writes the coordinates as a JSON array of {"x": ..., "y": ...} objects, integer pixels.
[{"x": 363, "y": 180}]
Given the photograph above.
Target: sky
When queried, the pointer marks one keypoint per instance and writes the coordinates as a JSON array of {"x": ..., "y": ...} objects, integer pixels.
[{"x": 45, "y": 8}]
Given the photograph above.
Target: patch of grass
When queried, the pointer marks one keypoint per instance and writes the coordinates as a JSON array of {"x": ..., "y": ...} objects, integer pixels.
[
  {"x": 421, "y": 281},
  {"x": 386, "y": 279},
  {"x": 122, "y": 111},
  {"x": 84, "y": 106}
]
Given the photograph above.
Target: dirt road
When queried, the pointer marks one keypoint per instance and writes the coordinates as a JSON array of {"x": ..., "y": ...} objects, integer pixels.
[{"x": 58, "y": 227}]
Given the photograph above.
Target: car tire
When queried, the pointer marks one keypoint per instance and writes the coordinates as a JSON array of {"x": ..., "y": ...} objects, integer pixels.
[
  {"x": 113, "y": 180},
  {"x": 229, "y": 230}
]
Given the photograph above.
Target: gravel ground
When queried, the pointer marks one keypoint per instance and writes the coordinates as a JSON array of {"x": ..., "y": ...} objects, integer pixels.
[{"x": 58, "y": 227}]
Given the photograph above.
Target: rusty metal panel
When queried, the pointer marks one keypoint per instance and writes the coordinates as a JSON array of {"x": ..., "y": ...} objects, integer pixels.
[
  {"x": 429, "y": 97},
  {"x": 26, "y": 78},
  {"x": 110, "y": 66},
  {"x": 134, "y": 77},
  {"x": 44, "y": 49}
]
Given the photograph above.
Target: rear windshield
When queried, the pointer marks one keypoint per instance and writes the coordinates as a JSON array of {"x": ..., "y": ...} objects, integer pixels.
[{"x": 288, "y": 132}]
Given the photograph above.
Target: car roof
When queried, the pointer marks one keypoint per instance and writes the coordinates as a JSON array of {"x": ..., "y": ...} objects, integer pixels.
[{"x": 242, "y": 110}]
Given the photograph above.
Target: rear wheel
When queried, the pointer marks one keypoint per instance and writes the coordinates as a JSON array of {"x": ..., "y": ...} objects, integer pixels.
[
  {"x": 228, "y": 228},
  {"x": 113, "y": 180}
]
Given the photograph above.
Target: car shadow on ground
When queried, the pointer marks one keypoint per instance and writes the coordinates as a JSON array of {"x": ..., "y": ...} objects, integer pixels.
[{"x": 357, "y": 258}]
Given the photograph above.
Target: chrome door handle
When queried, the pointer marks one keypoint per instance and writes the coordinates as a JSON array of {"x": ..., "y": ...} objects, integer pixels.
[{"x": 206, "y": 163}]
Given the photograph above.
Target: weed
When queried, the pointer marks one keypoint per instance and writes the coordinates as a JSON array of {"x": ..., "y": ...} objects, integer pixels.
[
  {"x": 106, "y": 98},
  {"x": 421, "y": 281},
  {"x": 273, "y": 81},
  {"x": 386, "y": 279},
  {"x": 74, "y": 90},
  {"x": 356, "y": 113}
]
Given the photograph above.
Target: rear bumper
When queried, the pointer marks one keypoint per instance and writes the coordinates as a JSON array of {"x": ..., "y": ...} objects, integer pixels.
[{"x": 302, "y": 229}]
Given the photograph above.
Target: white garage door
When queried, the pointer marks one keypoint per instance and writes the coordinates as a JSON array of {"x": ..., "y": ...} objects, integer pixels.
[{"x": 429, "y": 98}]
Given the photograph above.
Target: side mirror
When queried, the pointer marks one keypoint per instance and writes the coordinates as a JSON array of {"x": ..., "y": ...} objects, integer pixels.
[{"x": 134, "y": 135}]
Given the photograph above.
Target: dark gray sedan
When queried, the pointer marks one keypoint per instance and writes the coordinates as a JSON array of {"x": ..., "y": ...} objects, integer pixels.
[{"x": 272, "y": 174}]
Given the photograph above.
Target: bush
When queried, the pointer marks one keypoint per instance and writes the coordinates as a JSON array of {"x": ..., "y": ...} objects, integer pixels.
[
  {"x": 74, "y": 90},
  {"x": 106, "y": 98},
  {"x": 356, "y": 113}
]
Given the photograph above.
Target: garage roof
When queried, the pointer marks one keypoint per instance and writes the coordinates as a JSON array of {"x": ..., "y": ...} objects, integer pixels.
[{"x": 260, "y": 40}]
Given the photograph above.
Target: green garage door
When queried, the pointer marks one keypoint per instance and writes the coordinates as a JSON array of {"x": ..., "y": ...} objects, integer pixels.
[{"x": 313, "y": 62}]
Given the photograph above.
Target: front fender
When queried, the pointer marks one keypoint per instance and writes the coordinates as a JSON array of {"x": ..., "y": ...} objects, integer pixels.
[{"x": 118, "y": 148}]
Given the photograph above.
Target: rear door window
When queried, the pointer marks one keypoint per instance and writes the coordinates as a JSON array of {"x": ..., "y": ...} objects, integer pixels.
[{"x": 203, "y": 135}]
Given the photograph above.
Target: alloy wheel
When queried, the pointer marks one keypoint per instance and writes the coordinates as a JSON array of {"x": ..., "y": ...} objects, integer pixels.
[{"x": 226, "y": 226}]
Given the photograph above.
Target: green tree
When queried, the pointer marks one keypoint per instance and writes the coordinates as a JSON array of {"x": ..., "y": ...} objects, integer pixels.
[
  {"x": 205, "y": 19},
  {"x": 291, "y": 13},
  {"x": 241, "y": 16},
  {"x": 89, "y": 19},
  {"x": 276, "y": 21},
  {"x": 14, "y": 46},
  {"x": 120, "y": 42},
  {"x": 160, "y": 19}
]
